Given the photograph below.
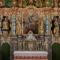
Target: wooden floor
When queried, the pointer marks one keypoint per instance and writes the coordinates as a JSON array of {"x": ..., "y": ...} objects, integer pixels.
[{"x": 31, "y": 58}]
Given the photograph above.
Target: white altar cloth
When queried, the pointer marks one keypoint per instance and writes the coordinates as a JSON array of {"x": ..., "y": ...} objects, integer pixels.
[{"x": 30, "y": 53}]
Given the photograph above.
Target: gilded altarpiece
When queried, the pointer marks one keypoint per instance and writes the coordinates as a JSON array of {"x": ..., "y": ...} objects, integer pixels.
[{"x": 29, "y": 22}]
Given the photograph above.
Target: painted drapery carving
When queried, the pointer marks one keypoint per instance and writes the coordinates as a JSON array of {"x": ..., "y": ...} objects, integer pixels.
[
  {"x": 47, "y": 25},
  {"x": 13, "y": 21}
]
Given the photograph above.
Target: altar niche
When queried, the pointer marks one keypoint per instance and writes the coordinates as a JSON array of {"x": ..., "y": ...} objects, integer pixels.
[{"x": 5, "y": 51}]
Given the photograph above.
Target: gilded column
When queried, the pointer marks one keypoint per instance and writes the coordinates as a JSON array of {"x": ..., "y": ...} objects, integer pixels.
[
  {"x": 13, "y": 26},
  {"x": 40, "y": 28},
  {"x": 46, "y": 26}
]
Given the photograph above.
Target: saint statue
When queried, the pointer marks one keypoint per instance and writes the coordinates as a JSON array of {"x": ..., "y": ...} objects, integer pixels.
[
  {"x": 55, "y": 26},
  {"x": 47, "y": 26},
  {"x": 5, "y": 24}
]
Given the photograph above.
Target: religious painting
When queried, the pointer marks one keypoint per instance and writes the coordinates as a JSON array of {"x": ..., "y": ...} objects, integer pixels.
[{"x": 30, "y": 21}]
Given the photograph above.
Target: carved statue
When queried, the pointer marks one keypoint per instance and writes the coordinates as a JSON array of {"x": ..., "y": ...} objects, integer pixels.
[
  {"x": 55, "y": 27},
  {"x": 5, "y": 25}
]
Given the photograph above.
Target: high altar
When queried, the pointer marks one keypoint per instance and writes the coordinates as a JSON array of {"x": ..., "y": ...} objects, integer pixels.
[{"x": 30, "y": 25}]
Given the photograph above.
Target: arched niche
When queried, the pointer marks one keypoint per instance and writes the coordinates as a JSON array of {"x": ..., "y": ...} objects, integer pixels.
[{"x": 5, "y": 51}]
